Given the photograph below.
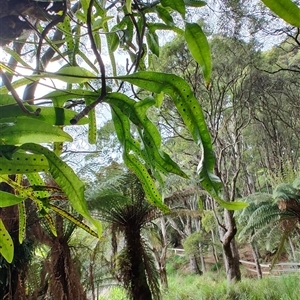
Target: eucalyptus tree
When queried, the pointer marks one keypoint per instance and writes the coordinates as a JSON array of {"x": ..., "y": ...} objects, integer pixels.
[
  {"x": 252, "y": 20},
  {"x": 250, "y": 111},
  {"x": 226, "y": 106},
  {"x": 185, "y": 219},
  {"x": 273, "y": 134},
  {"x": 59, "y": 33}
]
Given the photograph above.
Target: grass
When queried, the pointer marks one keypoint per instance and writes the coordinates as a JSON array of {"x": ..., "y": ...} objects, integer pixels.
[
  {"x": 115, "y": 293},
  {"x": 213, "y": 286},
  {"x": 208, "y": 287}
]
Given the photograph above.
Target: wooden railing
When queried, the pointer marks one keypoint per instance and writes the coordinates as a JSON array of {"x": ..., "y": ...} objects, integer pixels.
[
  {"x": 177, "y": 251},
  {"x": 278, "y": 269}
]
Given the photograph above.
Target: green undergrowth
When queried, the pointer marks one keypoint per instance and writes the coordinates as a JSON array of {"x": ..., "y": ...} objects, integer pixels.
[
  {"x": 115, "y": 293},
  {"x": 213, "y": 286},
  {"x": 207, "y": 287}
]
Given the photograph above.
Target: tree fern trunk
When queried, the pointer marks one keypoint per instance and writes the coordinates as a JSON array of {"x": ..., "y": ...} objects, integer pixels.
[
  {"x": 138, "y": 284},
  {"x": 64, "y": 278},
  {"x": 13, "y": 276}
]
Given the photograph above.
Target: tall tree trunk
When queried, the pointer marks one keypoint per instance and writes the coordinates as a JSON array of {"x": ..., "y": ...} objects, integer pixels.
[
  {"x": 214, "y": 250},
  {"x": 194, "y": 266},
  {"x": 163, "y": 257},
  {"x": 256, "y": 259},
  {"x": 201, "y": 256},
  {"x": 203, "y": 266},
  {"x": 137, "y": 280},
  {"x": 230, "y": 250},
  {"x": 13, "y": 276},
  {"x": 292, "y": 249},
  {"x": 161, "y": 262},
  {"x": 65, "y": 281},
  {"x": 163, "y": 277}
]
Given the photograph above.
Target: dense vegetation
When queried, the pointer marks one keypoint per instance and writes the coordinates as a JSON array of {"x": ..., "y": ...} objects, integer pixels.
[
  {"x": 213, "y": 286},
  {"x": 131, "y": 127}
]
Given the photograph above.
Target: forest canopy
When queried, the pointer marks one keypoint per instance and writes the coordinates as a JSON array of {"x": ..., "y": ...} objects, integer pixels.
[{"x": 204, "y": 116}]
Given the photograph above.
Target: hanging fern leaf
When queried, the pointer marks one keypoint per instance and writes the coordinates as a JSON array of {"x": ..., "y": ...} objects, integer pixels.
[
  {"x": 72, "y": 219},
  {"x": 133, "y": 161},
  {"x": 71, "y": 185},
  {"x": 6, "y": 244},
  {"x": 22, "y": 221},
  {"x": 193, "y": 117}
]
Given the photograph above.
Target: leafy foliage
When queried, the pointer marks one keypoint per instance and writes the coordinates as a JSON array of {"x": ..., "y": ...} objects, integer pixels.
[
  {"x": 60, "y": 32},
  {"x": 125, "y": 208},
  {"x": 24, "y": 127},
  {"x": 268, "y": 216},
  {"x": 287, "y": 10},
  {"x": 7, "y": 247},
  {"x": 191, "y": 243}
]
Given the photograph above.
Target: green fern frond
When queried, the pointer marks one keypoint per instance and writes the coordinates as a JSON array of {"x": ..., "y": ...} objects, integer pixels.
[
  {"x": 280, "y": 248},
  {"x": 110, "y": 208},
  {"x": 254, "y": 201},
  {"x": 296, "y": 184},
  {"x": 269, "y": 234},
  {"x": 274, "y": 236},
  {"x": 151, "y": 271},
  {"x": 285, "y": 192},
  {"x": 263, "y": 215},
  {"x": 287, "y": 173},
  {"x": 259, "y": 218},
  {"x": 257, "y": 198}
]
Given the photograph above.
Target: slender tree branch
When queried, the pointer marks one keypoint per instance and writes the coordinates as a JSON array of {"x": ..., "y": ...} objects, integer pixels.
[
  {"x": 279, "y": 70},
  {"x": 8, "y": 85},
  {"x": 47, "y": 56},
  {"x": 88, "y": 108},
  {"x": 53, "y": 23},
  {"x": 140, "y": 36},
  {"x": 17, "y": 47},
  {"x": 31, "y": 88}
]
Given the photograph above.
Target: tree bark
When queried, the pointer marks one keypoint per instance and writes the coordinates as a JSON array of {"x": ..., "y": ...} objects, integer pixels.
[
  {"x": 292, "y": 249},
  {"x": 229, "y": 247},
  {"x": 13, "y": 275},
  {"x": 65, "y": 281},
  {"x": 214, "y": 250},
  {"x": 256, "y": 260},
  {"x": 201, "y": 256},
  {"x": 163, "y": 257},
  {"x": 161, "y": 262},
  {"x": 138, "y": 284},
  {"x": 203, "y": 266},
  {"x": 194, "y": 266}
]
